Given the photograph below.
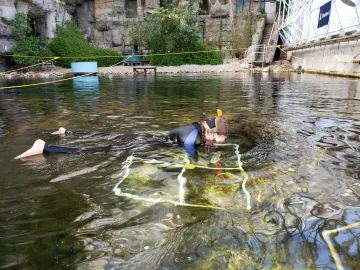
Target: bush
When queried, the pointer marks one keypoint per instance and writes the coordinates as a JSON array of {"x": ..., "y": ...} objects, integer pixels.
[
  {"x": 26, "y": 44},
  {"x": 30, "y": 46},
  {"x": 262, "y": 14},
  {"x": 173, "y": 30},
  {"x": 201, "y": 58},
  {"x": 70, "y": 42}
]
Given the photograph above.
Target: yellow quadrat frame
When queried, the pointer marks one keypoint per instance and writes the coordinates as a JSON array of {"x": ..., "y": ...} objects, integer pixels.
[
  {"x": 326, "y": 234},
  {"x": 182, "y": 180}
]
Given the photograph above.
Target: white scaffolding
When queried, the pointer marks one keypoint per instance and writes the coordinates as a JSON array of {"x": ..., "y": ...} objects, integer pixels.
[{"x": 299, "y": 20}]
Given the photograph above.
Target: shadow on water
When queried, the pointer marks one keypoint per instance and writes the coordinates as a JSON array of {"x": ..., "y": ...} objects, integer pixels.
[{"x": 298, "y": 136}]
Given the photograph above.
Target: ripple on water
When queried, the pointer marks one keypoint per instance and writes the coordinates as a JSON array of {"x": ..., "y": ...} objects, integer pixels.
[{"x": 298, "y": 135}]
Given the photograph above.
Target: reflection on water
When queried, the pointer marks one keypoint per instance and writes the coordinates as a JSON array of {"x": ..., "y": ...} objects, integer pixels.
[
  {"x": 299, "y": 140},
  {"x": 86, "y": 87}
]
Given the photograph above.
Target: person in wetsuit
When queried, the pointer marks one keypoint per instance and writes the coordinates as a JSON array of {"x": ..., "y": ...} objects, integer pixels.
[{"x": 189, "y": 137}]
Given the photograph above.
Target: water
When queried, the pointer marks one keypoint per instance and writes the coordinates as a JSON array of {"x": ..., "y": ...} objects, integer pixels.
[{"x": 298, "y": 136}]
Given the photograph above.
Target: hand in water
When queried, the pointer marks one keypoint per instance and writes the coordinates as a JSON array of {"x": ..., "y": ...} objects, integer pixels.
[{"x": 209, "y": 145}]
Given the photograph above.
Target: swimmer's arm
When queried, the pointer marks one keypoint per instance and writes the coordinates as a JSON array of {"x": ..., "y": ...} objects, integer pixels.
[{"x": 65, "y": 132}]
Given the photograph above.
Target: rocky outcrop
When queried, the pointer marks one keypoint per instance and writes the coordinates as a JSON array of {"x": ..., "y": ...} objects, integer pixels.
[
  {"x": 44, "y": 15},
  {"x": 108, "y": 22},
  {"x": 83, "y": 11}
]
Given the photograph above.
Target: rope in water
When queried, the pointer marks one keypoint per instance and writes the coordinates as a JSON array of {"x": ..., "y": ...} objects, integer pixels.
[
  {"x": 244, "y": 174},
  {"x": 182, "y": 180},
  {"x": 126, "y": 170}
]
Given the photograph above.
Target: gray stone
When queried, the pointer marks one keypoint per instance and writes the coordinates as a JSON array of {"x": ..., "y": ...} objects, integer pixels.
[
  {"x": 7, "y": 13},
  {"x": 5, "y": 29},
  {"x": 117, "y": 37},
  {"x": 219, "y": 10},
  {"x": 101, "y": 26},
  {"x": 6, "y": 44},
  {"x": 45, "y": 13}
]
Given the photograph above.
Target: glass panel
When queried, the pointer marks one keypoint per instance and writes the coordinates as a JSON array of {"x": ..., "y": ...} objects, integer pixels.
[
  {"x": 262, "y": 4},
  {"x": 246, "y": 5},
  {"x": 239, "y": 5},
  {"x": 242, "y": 5}
]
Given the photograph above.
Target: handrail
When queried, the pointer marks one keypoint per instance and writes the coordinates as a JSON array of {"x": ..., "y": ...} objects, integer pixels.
[
  {"x": 272, "y": 28},
  {"x": 251, "y": 53}
]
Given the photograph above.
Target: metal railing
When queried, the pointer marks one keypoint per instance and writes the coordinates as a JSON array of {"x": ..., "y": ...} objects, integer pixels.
[
  {"x": 273, "y": 27},
  {"x": 255, "y": 54},
  {"x": 299, "y": 20}
]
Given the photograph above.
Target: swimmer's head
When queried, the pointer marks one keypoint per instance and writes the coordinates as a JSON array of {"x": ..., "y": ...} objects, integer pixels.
[{"x": 221, "y": 129}]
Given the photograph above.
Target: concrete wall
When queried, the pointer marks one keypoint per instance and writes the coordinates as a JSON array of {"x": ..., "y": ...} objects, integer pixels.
[
  {"x": 270, "y": 9},
  {"x": 329, "y": 58}
]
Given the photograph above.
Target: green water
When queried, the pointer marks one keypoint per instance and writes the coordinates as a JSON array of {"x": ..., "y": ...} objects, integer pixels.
[{"x": 298, "y": 136}]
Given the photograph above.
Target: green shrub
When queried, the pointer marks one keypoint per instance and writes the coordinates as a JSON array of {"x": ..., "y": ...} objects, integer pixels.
[
  {"x": 26, "y": 44},
  {"x": 70, "y": 42},
  {"x": 173, "y": 30},
  {"x": 262, "y": 14},
  {"x": 201, "y": 58},
  {"x": 30, "y": 46}
]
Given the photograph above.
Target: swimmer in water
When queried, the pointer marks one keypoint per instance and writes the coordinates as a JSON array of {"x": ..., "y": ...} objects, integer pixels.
[{"x": 189, "y": 137}]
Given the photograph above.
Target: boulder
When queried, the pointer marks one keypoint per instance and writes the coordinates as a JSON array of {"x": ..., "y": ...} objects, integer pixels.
[{"x": 7, "y": 12}]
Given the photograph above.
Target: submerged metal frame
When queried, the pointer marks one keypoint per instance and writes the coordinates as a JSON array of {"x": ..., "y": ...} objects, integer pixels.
[{"x": 297, "y": 19}]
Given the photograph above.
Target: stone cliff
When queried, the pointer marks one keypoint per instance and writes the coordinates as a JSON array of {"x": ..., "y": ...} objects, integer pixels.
[
  {"x": 107, "y": 22},
  {"x": 44, "y": 15}
]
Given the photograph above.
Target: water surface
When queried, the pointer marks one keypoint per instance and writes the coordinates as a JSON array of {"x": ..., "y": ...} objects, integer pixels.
[{"x": 298, "y": 136}]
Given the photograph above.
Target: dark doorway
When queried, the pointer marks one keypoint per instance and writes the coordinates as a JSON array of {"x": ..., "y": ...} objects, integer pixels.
[
  {"x": 203, "y": 7},
  {"x": 278, "y": 51}
]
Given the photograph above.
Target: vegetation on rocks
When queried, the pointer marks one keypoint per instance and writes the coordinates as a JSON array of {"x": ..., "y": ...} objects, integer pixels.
[
  {"x": 241, "y": 35},
  {"x": 70, "y": 41},
  {"x": 26, "y": 43},
  {"x": 171, "y": 32}
]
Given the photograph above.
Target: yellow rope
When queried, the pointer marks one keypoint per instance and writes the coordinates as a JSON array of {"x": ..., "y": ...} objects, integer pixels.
[
  {"x": 158, "y": 54},
  {"x": 61, "y": 80},
  {"x": 113, "y": 56},
  {"x": 110, "y": 56},
  {"x": 174, "y": 53},
  {"x": 54, "y": 58}
]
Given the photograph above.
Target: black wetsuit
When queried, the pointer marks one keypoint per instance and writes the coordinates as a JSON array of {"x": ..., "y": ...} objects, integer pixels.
[{"x": 188, "y": 137}]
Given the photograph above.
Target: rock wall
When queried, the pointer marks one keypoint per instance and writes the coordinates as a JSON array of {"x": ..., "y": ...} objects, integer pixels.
[
  {"x": 114, "y": 19},
  {"x": 83, "y": 13},
  {"x": 113, "y": 22},
  {"x": 108, "y": 22},
  {"x": 222, "y": 21},
  {"x": 45, "y": 15}
]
